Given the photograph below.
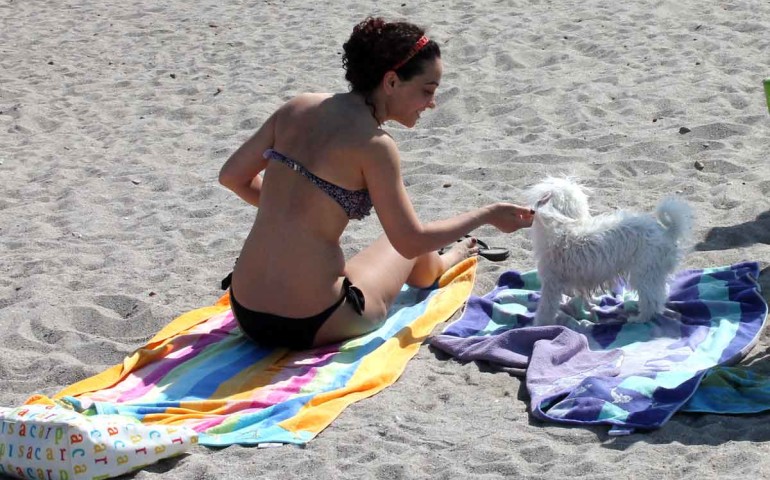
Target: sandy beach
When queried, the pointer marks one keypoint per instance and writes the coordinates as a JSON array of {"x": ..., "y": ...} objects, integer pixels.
[{"x": 115, "y": 118}]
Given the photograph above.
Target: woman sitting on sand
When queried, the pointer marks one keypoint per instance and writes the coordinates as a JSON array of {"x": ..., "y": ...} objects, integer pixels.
[{"x": 327, "y": 161}]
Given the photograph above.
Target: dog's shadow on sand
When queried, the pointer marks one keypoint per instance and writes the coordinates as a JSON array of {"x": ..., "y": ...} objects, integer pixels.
[{"x": 740, "y": 235}]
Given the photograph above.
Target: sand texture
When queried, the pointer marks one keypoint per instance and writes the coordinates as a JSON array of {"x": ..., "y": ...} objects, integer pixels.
[{"x": 116, "y": 116}]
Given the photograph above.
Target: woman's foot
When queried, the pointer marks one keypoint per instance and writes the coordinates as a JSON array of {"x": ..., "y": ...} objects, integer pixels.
[{"x": 461, "y": 250}]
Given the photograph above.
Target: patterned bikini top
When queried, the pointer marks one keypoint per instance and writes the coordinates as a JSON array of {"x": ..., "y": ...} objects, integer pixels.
[{"x": 356, "y": 203}]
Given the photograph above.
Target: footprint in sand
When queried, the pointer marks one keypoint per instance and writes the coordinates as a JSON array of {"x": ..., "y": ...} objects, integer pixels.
[{"x": 718, "y": 131}]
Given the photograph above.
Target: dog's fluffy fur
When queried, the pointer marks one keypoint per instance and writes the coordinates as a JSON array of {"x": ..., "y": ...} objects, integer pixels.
[{"x": 579, "y": 254}]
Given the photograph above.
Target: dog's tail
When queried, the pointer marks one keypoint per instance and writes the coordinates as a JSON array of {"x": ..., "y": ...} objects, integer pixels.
[{"x": 676, "y": 216}]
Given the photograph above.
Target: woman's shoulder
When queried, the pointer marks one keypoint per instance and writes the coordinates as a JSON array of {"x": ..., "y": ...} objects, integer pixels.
[
  {"x": 302, "y": 107},
  {"x": 382, "y": 143},
  {"x": 346, "y": 126},
  {"x": 306, "y": 100}
]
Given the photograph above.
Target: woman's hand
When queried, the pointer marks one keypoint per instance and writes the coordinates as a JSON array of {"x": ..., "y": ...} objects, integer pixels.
[{"x": 508, "y": 217}]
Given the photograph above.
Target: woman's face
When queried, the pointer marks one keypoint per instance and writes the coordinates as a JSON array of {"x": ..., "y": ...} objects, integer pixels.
[{"x": 413, "y": 96}]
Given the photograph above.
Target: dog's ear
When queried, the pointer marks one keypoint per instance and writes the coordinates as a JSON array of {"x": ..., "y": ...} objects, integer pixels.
[{"x": 544, "y": 199}]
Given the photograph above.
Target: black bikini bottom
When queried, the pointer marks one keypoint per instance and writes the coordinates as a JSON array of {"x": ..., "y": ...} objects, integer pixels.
[{"x": 271, "y": 330}]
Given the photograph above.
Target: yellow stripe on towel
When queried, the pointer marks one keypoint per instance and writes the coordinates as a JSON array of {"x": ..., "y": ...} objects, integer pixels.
[{"x": 371, "y": 377}]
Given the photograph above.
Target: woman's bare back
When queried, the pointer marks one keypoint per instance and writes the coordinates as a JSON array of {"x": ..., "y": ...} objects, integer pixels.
[{"x": 293, "y": 250}]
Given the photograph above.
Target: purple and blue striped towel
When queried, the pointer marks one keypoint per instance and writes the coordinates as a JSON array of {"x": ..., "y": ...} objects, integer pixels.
[{"x": 594, "y": 367}]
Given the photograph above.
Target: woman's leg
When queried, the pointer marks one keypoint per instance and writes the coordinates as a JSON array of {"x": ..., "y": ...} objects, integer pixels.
[
  {"x": 380, "y": 272},
  {"x": 430, "y": 266}
]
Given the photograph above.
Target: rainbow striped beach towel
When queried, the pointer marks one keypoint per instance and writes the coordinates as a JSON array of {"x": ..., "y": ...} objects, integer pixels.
[{"x": 201, "y": 372}]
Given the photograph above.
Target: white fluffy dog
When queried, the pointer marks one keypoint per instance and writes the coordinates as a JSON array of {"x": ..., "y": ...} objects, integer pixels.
[{"x": 579, "y": 254}]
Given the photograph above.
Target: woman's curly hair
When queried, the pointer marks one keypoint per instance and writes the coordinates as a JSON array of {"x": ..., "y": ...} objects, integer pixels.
[{"x": 376, "y": 46}]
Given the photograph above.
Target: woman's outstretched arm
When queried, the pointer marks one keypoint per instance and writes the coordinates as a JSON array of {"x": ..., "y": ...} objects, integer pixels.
[{"x": 410, "y": 237}]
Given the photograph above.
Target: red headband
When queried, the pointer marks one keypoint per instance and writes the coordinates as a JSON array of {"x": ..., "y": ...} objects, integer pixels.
[{"x": 421, "y": 42}]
